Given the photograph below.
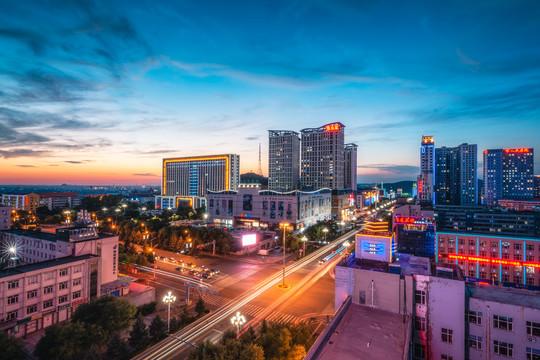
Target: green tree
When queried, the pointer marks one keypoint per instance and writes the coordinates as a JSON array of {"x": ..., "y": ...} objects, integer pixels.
[
  {"x": 139, "y": 336},
  {"x": 174, "y": 325},
  {"x": 228, "y": 336},
  {"x": 200, "y": 306},
  {"x": 301, "y": 334},
  {"x": 254, "y": 352},
  {"x": 184, "y": 317},
  {"x": 109, "y": 312},
  {"x": 117, "y": 349},
  {"x": 205, "y": 351},
  {"x": 65, "y": 341},
  {"x": 297, "y": 352},
  {"x": 12, "y": 348},
  {"x": 284, "y": 342},
  {"x": 158, "y": 328}
]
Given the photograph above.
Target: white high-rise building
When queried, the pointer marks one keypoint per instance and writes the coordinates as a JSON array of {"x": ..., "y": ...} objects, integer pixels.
[
  {"x": 351, "y": 156},
  {"x": 323, "y": 157},
  {"x": 427, "y": 161},
  {"x": 283, "y": 160}
]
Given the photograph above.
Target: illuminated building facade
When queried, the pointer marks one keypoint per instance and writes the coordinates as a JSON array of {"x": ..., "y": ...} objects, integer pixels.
[
  {"x": 375, "y": 242},
  {"x": 508, "y": 174},
  {"x": 415, "y": 235},
  {"x": 26, "y": 202},
  {"x": 283, "y": 160},
  {"x": 351, "y": 159},
  {"x": 537, "y": 186},
  {"x": 187, "y": 180},
  {"x": 427, "y": 164},
  {"x": 59, "y": 200},
  {"x": 323, "y": 157},
  {"x": 456, "y": 181},
  {"x": 520, "y": 205}
]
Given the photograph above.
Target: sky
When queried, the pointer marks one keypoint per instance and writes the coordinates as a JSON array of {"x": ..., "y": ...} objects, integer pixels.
[{"x": 99, "y": 92}]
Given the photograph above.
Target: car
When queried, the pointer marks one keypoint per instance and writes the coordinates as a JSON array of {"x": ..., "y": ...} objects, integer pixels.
[
  {"x": 214, "y": 271},
  {"x": 321, "y": 262},
  {"x": 206, "y": 275},
  {"x": 179, "y": 269},
  {"x": 193, "y": 272},
  {"x": 203, "y": 267},
  {"x": 180, "y": 261}
]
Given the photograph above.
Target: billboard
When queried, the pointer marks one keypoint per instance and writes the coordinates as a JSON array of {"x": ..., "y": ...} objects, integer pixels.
[{"x": 249, "y": 239}]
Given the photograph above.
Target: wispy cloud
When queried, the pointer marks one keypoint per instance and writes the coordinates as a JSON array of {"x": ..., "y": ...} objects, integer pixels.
[
  {"x": 7, "y": 154},
  {"x": 146, "y": 174},
  {"x": 26, "y": 166}
]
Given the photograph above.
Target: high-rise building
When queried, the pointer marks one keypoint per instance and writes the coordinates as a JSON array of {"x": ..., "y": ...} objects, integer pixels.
[
  {"x": 508, "y": 174},
  {"x": 322, "y": 160},
  {"x": 427, "y": 162},
  {"x": 537, "y": 186},
  {"x": 188, "y": 179},
  {"x": 456, "y": 181},
  {"x": 351, "y": 156},
  {"x": 283, "y": 159}
]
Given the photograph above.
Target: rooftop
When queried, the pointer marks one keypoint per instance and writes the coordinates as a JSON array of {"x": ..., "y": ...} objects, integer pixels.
[
  {"x": 404, "y": 264},
  {"x": 366, "y": 333},
  {"x": 47, "y": 236},
  {"x": 43, "y": 265},
  {"x": 506, "y": 295}
]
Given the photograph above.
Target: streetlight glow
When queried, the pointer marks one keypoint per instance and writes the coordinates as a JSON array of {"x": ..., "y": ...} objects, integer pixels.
[
  {"x": 238, "y": 320},
  {"x": 169, "y": 299}
]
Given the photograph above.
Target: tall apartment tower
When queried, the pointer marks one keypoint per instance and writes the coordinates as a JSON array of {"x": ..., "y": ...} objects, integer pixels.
[
  {"x": 323, "y": 159},
  {"x": 427, "y": 163},
  {"x": 509, "y": 174},
  {"x": 351, "y": 156},
  {"x": 283, "y": 159},
  {"x": 456, "y": 180}
]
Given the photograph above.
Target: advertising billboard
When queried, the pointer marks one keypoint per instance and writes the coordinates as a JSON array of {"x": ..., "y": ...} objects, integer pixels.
[{"x": 249, "y": 239}]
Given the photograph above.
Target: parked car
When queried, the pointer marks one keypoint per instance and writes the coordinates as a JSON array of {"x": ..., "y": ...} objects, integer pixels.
[
  {"x": 206, "y": 275},
  {"x": 214, "y": 271}
]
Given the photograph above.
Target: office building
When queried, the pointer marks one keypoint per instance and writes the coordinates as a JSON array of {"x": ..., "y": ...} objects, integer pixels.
[
  {"x": 484, "y": 220},
  {"x": 427, "y": 163},
  {"x": 252, "y": 206},
  {"x": 5, "y": 217},
  {"x": 508, "y": 174},
  {"x": 456, "y": 181},
  {"x": 322, "y": 157},
  {"x": 25, "y": 202},
  {"x": 537, "y": 186},
  {"x": 351, "y": 159},
  {"x": 59, "y": 200},
  {"x": 520, "y": 205},
  {"x": 283, "y": 160},
  {"x": 186, "y": 181},
  {"x": 415, "y": 235}
]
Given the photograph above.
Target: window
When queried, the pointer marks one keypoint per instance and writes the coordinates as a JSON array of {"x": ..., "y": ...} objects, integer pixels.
[
  {"x": 63, "y": 285},
  {"x": 76, "y": 282},
  {"x": 483, "y": 275},
  {"x": 472, "y": 252},
  {"x": 446, "y": 357},
  {"x": 505, "y": 245},
  {"x": 32, "y": 279},
  {"x": 473, "y": 317},
  {"x": 77, "y": 269},
  {"x": 12, "y": 315},
  {"x": 49, "y": 275},
  {"x": 419, "y": 351},
  {"x": 529, "y": 247},
  {"x": 472, "y": 242},
  {"x": 13, "y": 299},
  {"x": 517, "y": 279},
  {"x": 62, "y": 299},
  {"x": 529, "y": 257},
  {"x": 461, "y": 241},
  {"x": 502, "y": 322},
  {"x": 529, "y": 281},
  {"x": 474, "y": 342},
  {"x": 505, "y": 256},
  {"x": 13, "y": 284},
  {"x": 31, "y": 309},
  {"x": 48, "y": 289},
  {"x": 483, "y": 242},
  {"x": 494, "y": 244},
  {"x": 47, "y": 304},
  {"x": 503, "y": 348},
  {"x": 420, "y": 297},
  {"x": 533, "y": 328},
  {"x": 533, "y": 354},
  {"x": 420, "y": 323},
  {"x": 31, "y": 294},
  {"x": 517, "y": 246},
  {"x": 517, "y": 257},
  {"x": 63, "y": 272},
  {"x": 446, "y": 335}
]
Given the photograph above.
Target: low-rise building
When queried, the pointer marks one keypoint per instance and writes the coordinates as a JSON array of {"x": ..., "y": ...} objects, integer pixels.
[
  {"x": 26, "y": 202},
  {"x": 5, "y": 217},
  {"x": 520, "y": 205},
  {"x": 59, "y": 200},
  {"x": 253, "y": 207},
  {"x": 415, "y": 231}
]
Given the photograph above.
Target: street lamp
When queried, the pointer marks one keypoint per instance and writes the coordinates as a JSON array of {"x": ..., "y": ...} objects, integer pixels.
[
  {"x": 325, "y": 231},
  {"x": 304, "y": 239},
  {"x": 168, "y": 299},
  {"x": 124, "y": 206},
  {"x": 238, "y": 320},
  {"x": 284, "y": 225}
]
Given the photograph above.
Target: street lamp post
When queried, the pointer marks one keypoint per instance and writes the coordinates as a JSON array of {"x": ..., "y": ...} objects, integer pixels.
[
  {"x": 285, "y": 225},
  {"x": 238, "y": 320},
  {"x": 304, "y": 239},
  {"x": 168, "y": 299},
  {"x": 325, "y": 230}
]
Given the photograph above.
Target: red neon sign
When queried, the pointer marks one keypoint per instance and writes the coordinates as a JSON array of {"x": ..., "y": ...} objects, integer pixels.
[
  {"x": 492, "y": 261},
  {"x": 420, "y": 186},
  {"x": 410, "y": 219},
  {"x": 332, "y": 127},
  {"x": 524, "y": 150}
]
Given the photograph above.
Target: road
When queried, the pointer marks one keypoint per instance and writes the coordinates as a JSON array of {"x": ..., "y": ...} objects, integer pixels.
[{"x": 260, "y": 299}]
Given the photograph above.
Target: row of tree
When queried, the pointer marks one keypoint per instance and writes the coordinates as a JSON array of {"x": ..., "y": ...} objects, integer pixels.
[{"x": 272, "y": 341}]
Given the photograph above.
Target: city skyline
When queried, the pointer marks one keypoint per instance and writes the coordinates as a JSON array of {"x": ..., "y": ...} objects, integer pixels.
[{"x": 94, "y": 93}]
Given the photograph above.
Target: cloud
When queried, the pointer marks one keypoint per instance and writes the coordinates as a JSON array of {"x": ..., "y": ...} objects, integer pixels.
[
  {"x": 465, "y": 59},
  {"x": 78, "y": 162},
  {"x": 25, "y": 166},
  {"x": 7, "y": 154},
  {"x": 34, "y": 41},
  {"x": 253, "y": 137},
  {"x": 389, "y": 170},
  {"x": 146, "y": 174}
]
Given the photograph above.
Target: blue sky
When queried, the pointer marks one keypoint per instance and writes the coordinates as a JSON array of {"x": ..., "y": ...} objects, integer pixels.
[{"x": 99, "y": 92}]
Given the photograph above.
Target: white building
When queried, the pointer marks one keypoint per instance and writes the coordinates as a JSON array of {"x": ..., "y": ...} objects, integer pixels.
[
  {"x": 283, "y": 160},
  {"x": 5, "y": 217},
  {"x": 350, "y": 169},
  {"x": 253, "y": 207},
  {"x": 427, "y": 164}
]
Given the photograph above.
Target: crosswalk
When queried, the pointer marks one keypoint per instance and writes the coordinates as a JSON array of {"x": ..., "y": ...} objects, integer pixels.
[{"x": 215, "y": 300}]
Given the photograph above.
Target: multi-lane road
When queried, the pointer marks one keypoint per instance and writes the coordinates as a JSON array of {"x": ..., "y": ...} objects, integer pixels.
[{"x": 310, "y": 296}]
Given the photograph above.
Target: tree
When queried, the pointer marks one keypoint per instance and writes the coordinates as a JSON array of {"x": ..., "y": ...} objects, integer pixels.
[
  {"x": 109, "y": 312},
  {"x": 204, "y": 351},
  {"x": 174, "y": 325},
  {"x": 158, "y": 328},
  {"x": 200, "y": 306},
  {"x": 65, "y": 341},
  {"x": 117, "y": 349},
  {"x": 254, "y": 352},
  {"x": 12, "y": 348},
  {"x": 284, "y": 342},
  {"x": 184, "y": 317},
  {"x": 297, "y": 352},
  {"x": 139, "y": 336}
]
